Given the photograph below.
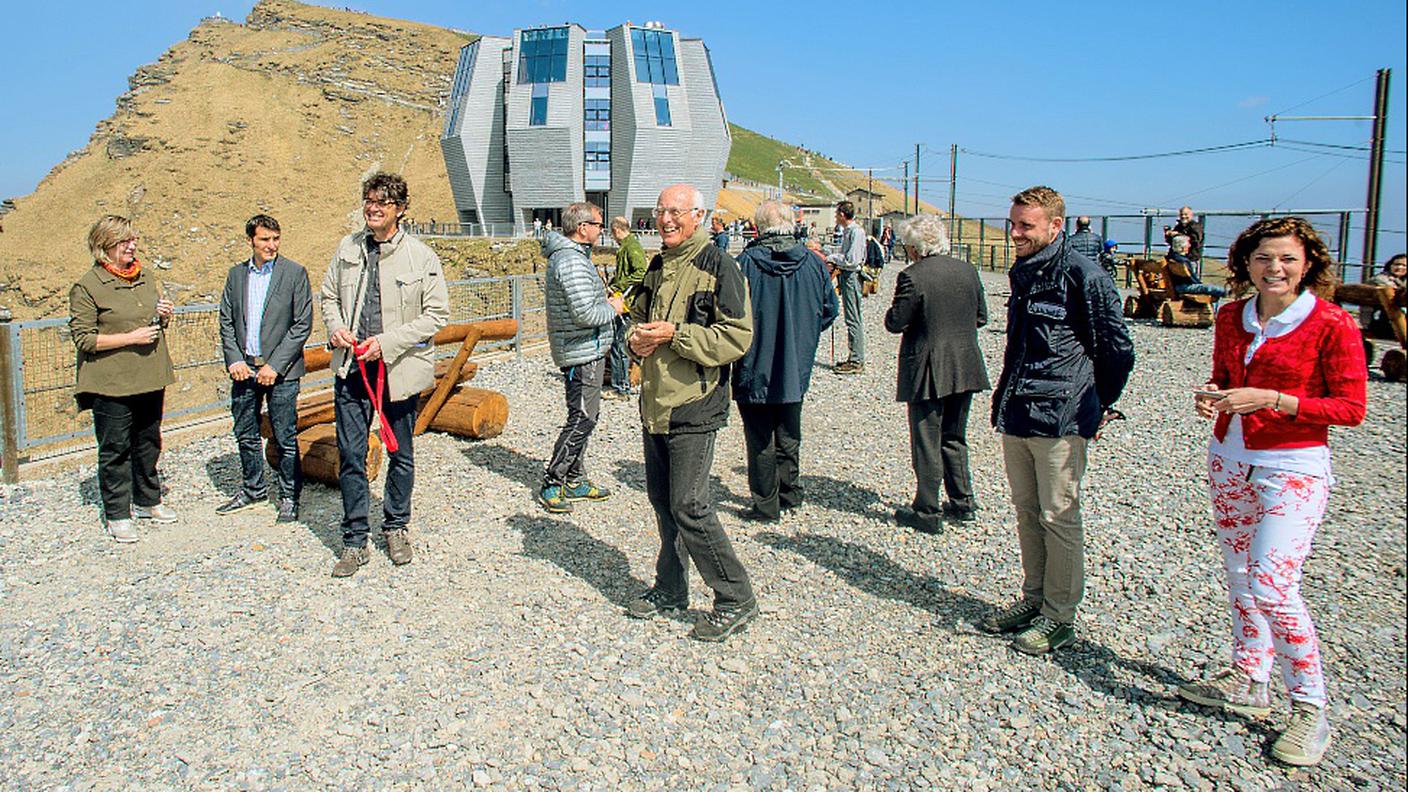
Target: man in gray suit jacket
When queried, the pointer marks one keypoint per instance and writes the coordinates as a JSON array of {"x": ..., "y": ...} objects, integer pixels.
[
  {"x": 266, "y": 314},
  {"x": 939, "y": 306}
]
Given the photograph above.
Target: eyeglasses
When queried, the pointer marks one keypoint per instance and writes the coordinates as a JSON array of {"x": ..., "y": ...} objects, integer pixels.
[
  {"x": 370, "y": 203},
  {"x": 665, "y": 211},
  {"x": 596, "y": 223}
]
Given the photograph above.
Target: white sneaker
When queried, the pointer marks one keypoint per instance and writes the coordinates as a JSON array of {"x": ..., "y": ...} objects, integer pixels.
[
  {"x": 160, "y": 513},
  {"x": 122, "y": 531},
  {"x": 1306, "y": 737}
]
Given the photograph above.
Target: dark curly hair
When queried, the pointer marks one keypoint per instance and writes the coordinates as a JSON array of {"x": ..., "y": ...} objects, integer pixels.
[
  {"x": 1319, "y": 266},
  {"x": 389, "y": 187}
]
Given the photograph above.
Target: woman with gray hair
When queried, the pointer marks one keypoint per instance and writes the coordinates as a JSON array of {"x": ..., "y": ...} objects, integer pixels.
[{"x": 938, "y": 307}]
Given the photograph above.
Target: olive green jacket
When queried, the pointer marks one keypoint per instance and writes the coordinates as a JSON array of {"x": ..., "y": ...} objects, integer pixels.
[
  {"x": 630, "y": 269},
  {"x": 684, "y": 385},
  {"x": 102, "y": 303}
]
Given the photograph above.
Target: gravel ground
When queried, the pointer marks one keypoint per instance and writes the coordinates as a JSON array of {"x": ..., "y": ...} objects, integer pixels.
[{"x": 218, "y": 653}]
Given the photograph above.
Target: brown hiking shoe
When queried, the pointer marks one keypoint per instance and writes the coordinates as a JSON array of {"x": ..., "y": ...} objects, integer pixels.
[
  {"x": 398, "y": 547},
  {"x": 350, "y": 561}
]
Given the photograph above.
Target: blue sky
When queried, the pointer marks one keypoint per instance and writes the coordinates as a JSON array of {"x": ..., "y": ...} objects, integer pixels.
[{"x": 865, "y": 82}]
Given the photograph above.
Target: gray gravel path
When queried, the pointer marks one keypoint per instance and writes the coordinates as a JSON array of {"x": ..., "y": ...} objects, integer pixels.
[{"x": 218, "y": 653}]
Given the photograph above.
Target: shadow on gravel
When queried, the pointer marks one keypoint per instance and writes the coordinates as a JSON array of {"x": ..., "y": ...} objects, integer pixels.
[
  {"x": 1097, "y": 667},
  {"x": 632, "y": 474},
  {"x": 579, "y": 554},
  {"x": 225, "y": 474},
  {"x": 507, "y": 463},
  {"x": 838, "y": 495}
]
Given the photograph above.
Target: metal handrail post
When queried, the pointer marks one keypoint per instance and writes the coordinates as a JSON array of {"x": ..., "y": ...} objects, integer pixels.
[
  {"x": 516, "y": 298},
  {"x": 11, "y": 394}
]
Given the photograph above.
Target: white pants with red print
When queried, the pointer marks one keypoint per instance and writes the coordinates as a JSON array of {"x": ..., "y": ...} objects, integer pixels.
[{"x": 1266, "y": 519}]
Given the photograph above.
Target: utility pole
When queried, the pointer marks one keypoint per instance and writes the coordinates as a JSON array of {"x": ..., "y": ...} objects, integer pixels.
[
  {"x": 869, "y": 194},
  {"x": 1376, "y": 171},
  {"x": 779, "y": 179},
  {"x": 952, "y": 188},
  {"x": 905, "y": 184}
]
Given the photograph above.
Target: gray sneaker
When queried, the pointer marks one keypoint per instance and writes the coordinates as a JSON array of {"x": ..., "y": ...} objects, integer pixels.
[
  {"x": 122, "y": 530},
  {"x": 1306, "y": 737},
  {"x": 719, "y": 623},
  {"x": 1044, "y": 636},
  {"x": 1230, "y": 690},
  {"x": 655, "y": 601},
  {"x": 160, "y": 513},
  {"x": 288, "y": 511},
  {"x": 398, "y": 547},
  {"x": 350, "y": 561},
  {"x": 1011, "y": 618}
]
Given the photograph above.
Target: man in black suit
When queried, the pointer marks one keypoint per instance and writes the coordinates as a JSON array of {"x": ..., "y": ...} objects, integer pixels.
[
  {"x": 266, "y": 314},
  {"x": 939, "y": 306}
]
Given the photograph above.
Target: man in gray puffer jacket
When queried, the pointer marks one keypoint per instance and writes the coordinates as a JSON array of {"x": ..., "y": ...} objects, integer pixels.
[{"x": 581, "y": 324}]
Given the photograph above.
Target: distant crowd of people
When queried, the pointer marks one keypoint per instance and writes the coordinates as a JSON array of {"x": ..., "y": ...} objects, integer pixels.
[{"x": 708, "y": 331}]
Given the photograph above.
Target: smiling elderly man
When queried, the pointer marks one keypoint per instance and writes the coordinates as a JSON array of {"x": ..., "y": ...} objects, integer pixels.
[{"x": 692, "y": 319}]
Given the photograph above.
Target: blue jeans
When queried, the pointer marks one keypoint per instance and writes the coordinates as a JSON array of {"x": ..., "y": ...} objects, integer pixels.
[
  {"x": 849, "y": 283},
  {"x": 282, "y": 401},
  {"x": 1201, "y": 288},
  {"x": 620, "y": 362},
  {"x": 353, "y": 410}
]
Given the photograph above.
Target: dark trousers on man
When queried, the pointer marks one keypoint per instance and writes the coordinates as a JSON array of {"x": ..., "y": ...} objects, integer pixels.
[
  {"x": 583, "y": 386},
  {"x": 938, "y": 449},
  {"x": 772, "y": 434},
  {"x": 128, "y": 430},
  {"x": 677, "y": 483},
  {"x": 352, "y": 407},
  {"x": 281, "y": 400}
]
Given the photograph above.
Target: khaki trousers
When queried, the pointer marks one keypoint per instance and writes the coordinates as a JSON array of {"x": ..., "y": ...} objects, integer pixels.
[{"x": 1044, "y": 474}]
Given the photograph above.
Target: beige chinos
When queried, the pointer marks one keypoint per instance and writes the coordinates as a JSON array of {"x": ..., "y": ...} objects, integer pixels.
[{"x": 1044, "y": 474}]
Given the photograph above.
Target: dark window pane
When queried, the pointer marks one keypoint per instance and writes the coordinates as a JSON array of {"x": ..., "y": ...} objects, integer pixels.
[
  {"x": 672, "y": 76},
  {"x": 538, "y": 115},
  {"x": 559, "y": 68}
]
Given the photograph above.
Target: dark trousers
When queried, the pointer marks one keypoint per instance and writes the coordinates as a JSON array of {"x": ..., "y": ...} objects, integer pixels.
[
  {"x": 677, "y": 483},
  {"x": 772, "y": 434},
  {"x": 128, "y": 429},
  {"x": 583, "y": 386},
  {"x": 352, "y": 408},
  {"x": 938, "y": 449},
  {"x": 620, "y": 361},
  {"x": 281, "y": 399}
]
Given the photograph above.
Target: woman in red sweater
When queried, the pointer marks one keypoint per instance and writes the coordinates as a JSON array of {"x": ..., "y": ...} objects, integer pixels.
[{"x": 1286, "y": 365}]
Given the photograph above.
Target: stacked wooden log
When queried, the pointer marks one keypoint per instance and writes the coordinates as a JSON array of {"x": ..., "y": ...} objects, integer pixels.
[
  {"x": 1391, "y": 301},
  {"x": 448, "y": 406}
]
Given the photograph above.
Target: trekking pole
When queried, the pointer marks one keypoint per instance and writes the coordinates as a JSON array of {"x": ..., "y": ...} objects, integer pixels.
[{"x": 833, "y": 345}]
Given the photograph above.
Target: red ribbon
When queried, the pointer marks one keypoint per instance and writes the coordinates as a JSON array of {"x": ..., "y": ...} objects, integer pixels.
[{"x": 388, "y": 437}]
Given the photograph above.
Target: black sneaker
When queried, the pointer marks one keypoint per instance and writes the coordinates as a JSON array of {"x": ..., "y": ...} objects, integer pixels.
[
  {"x": 242, "y": 500},
  {"x": 960, "y": 514},
  {"x": 288, "y": 510},
  {"x": 754, "y": 514},
  {"x": 655, "y": 601},
  {"x": 906, "y": 516},
  {"x": 1012, "y": 618},
  {"x": 719, "y": 623}
]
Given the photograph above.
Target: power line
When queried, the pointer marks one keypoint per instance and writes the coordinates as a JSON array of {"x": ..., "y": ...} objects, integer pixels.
[
  {"x": 1307, "y": 186},
  {"x": 1127, "y": 157},
  {"x": 1336, "y": 146},
  {"x": 1247, "y": 178},
  {"x": 1324, "y": 96}
]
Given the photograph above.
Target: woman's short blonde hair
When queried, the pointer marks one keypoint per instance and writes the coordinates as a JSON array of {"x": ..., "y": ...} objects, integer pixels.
[
  {"x": 925, "y": 234},
  {"x": 108, "y": 231}
]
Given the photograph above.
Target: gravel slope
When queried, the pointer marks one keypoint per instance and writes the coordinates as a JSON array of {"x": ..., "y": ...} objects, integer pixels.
[{"x": 218, "y": 653}]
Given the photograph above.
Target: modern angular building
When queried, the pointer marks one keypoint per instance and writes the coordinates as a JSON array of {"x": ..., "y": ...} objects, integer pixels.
[{"x": 554, "y": 115}]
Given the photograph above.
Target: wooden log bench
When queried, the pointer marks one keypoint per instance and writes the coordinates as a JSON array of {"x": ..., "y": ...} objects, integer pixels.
[
  {"x": 1158, "y": 300},
  {"x": 1391, "y": 301}
]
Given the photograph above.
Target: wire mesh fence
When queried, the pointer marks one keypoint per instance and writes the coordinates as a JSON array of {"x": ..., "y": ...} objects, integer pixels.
[{"x": 48, "y": 421}]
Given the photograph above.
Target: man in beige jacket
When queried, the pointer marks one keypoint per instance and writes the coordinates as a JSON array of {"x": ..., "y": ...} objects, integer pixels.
[{"x": 383, "y": 298}]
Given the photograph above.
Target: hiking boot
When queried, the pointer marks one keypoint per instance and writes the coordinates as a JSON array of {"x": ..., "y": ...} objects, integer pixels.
[
  {"x": 959, "y": 513},
  {"x": 1043, "y": 636},
  {"x": 849, "y": 367},
  {"x": 655, "y": 601},
  {"x": 586, "y": 491},
  {"x": 754, "y": 514},
  {"x": 159, "y": 513},
  {"x": 350, "y": 561},
  {"x": 553, "y": 497},
  {"x": 288, "y": 511},
  {"x": 1230, "y": 690},
  {"x": 122, "y": 531},
  {"x": 1012, "y": 618},
  {"x": 1306, "y": 737},
  {"x": 721, "y": 622},
  {"x": 929, "y": 524},
  {"x": 242, "y": 500},
  {"x": 398, "y": 547}
]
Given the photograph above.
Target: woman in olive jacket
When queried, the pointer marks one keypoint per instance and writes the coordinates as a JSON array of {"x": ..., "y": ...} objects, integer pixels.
[{"x": 117, "y": 318}]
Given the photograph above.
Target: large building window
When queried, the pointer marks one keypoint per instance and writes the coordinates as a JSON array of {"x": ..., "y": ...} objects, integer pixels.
[
  {"x": 598, "y": 156},
  {"x": 654, "y": 56},
  {"x": 463, "y": 72},
  {"x": 538, "y": 108},
  {"x": 542, "y": 56},
  {"x": 598, "y": 115},
  {"x": 598, "y": 71},
  {"x": 662, "y": 105}
]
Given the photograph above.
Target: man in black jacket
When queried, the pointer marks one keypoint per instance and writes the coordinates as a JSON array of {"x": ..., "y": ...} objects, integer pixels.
[
  {"x": 1068, "y": 357},
  {"x": 1087, "y": 242},
  {"x": 266, "y": 314}
]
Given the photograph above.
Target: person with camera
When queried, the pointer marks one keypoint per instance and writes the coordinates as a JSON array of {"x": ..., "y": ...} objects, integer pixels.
[{"x": 1188, "y": 226}]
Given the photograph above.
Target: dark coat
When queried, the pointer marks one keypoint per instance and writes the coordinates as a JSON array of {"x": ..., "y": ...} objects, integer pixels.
[
  {"x": 288, "y": 316},
  {"x": 939, "y": 306},
  {"x": 1088, "y": 244},
  {"x": 1068, "y": 353},
  {"x": 793, "y": 303}
]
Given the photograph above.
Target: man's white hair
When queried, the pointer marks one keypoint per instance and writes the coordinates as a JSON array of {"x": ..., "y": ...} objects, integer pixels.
[
  {"x": 773, "y": 217},
  {"x": 1181, "y": 243},
  {"x": 925, "y": 234}
]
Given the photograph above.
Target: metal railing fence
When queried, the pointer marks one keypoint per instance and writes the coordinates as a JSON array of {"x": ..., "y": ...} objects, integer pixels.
[{"x": 39, "y": 389}]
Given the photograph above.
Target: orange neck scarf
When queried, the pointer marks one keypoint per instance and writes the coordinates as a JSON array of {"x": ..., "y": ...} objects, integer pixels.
[{"x": 130, "y": 274}]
